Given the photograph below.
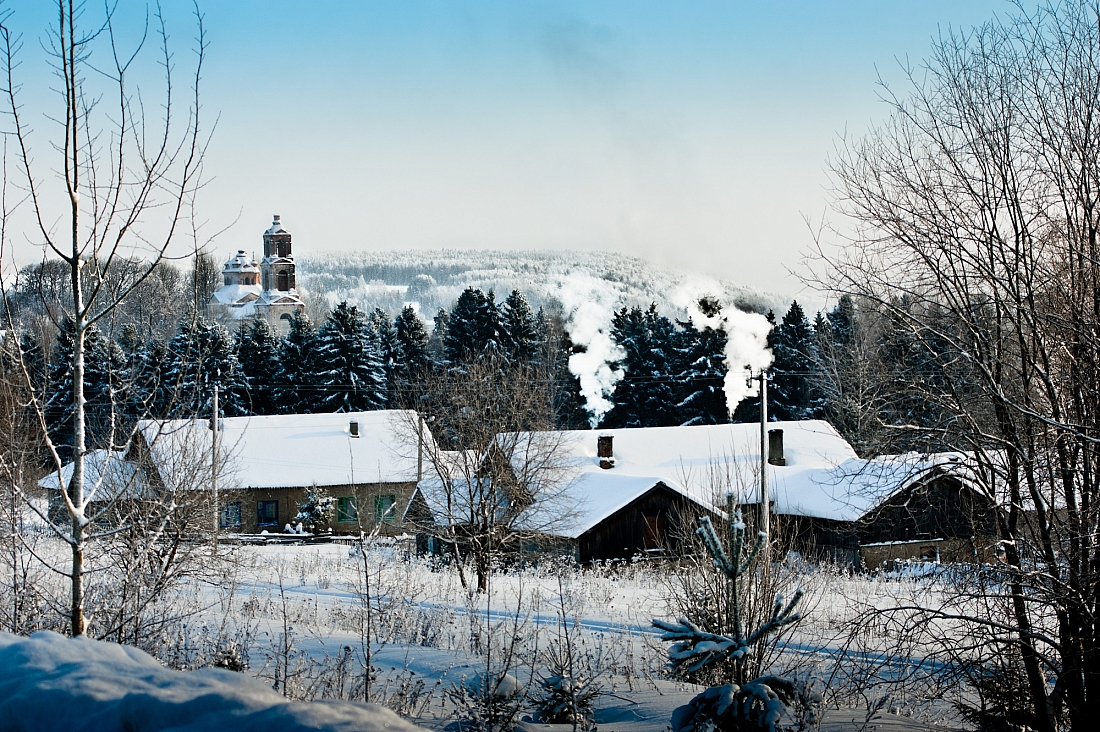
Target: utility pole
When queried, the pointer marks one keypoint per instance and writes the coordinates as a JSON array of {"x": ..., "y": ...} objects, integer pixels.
[
  {"x": 765, "y": 497},
  {"x": 215, "y": 425}
]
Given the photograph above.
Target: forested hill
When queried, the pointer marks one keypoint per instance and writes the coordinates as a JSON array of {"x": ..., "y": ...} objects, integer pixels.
[{"x": 435, "y": 278}]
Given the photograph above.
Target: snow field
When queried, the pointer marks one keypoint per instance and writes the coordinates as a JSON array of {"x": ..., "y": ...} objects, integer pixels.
[{"x": 304, "y": 620}]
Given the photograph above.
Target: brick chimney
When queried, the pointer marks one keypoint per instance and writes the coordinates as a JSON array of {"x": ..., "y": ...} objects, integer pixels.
[
  {"x": 775, "y": 448},
  {"x": 605, "y": 452}
]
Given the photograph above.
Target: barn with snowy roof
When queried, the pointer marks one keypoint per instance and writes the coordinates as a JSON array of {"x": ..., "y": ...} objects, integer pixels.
[{"x": 267, "y": 464}]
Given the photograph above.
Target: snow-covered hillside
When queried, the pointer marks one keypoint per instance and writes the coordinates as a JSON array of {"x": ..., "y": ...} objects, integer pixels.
[{"x": 386, "y": 279}]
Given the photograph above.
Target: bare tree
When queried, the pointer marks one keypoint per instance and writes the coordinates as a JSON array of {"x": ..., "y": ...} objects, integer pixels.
[
  {"x": 975, "y": 226},
  {"x": 496, "y": 473},
  {"x": 110, "y": 187}
]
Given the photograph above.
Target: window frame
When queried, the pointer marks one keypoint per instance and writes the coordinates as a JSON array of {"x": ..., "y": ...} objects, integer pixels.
[
  {"x": 343, "y": 514},
  {"x": 226, "y": 514},
  {"x": 260, "y": 513},
  {"x": 381, "y": 509}
]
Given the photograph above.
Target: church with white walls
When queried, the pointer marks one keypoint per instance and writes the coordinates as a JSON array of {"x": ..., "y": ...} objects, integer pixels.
[{"x": 266, "y": 291}]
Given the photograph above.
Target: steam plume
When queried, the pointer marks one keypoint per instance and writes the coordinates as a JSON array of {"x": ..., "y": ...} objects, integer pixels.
[
  {"x": 746, "y": 335},
  {"x": 589, "y": 305}
]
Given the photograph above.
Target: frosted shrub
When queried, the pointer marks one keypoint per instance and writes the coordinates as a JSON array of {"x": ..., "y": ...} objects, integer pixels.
[{"x": 487, "y": 702}]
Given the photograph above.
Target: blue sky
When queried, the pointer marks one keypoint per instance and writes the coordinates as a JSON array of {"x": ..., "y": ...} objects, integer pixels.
[{"x": 694, "y": 134}]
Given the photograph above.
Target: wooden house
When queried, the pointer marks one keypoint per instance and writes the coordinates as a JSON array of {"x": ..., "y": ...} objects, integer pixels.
[
  {"x": 637, "y": 491},
  {"x": 364, "y": 461}
]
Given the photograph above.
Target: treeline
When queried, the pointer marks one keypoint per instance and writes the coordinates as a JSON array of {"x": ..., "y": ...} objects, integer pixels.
[{"x": 850, "y": 365}]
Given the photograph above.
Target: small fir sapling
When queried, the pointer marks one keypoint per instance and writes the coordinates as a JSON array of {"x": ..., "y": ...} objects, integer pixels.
[
  {"x": 316, "y": 511},
  {"x": 756, "y": 704}
]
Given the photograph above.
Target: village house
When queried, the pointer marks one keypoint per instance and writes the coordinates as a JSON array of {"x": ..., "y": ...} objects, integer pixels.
[
  {"x": 267, "y": 464},
  {"x": 638, "y": 491}
]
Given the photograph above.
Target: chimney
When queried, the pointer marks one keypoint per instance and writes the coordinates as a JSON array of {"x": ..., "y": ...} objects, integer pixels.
[
  {"x": 354, "y": 427},
  {"x": 604, "y": 451},
  {"x": 775, "y": 448}
]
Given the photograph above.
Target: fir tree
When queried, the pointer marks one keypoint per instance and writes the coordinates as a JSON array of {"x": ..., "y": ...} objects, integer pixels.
[
  {"x": 34, "y": 360},
  {"x": 518, "y": 332},
  {"x": 793, "y": 344},
  {"x": 295, "y": 391},
  {"x": 390, "y": 353},
  {"x": 644, "y": 396},
  {"x": 200, "y": 357},
  {"x": 700, "y": 378},
  {"x": 474, "y": 327},
  {"x": 149, "y": 395},
  {"x": 438, "y": 337},
  {"x": 350, "y": 376},
  {"x": 413, "y": 337},
  {"x": 258, "y": 353},
  {"x": 103, "y": 371},
  {"x": 741, "y": 703}
]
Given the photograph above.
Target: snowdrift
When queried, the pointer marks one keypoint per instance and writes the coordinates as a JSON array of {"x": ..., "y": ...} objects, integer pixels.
[{"x": 49, "y": 682}]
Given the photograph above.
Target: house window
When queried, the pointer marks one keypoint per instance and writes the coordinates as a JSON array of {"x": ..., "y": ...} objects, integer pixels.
[
  {"x": 384, "y": 507},
  {"x": 231, "y": 515},
  {"x": 284, "y": 281},
  {"x": 267, "y": 513},
  {"x": 346, "y": 509}
]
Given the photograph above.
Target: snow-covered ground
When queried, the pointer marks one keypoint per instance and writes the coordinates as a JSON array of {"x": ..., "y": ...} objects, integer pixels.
[{"x": 297, "y": 623}]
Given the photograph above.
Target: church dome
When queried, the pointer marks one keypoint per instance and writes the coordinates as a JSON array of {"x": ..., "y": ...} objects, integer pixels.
[{"x": 241, "y": 262}]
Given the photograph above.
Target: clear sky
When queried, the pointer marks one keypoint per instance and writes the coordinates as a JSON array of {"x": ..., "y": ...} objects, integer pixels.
[{"x": 694, "y": 134}]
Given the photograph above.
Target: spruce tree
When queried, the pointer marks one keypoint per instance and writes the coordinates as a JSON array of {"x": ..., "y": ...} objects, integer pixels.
[
  {"x": 258, "y": 353},
  {"x": 103, "y": 371},
  {"x": 791, "y": 391},
  {"x": 150, "y": 397},
  {"x": 644, "y": 397},
  {"x": 518, "y": 332},
  {"x": 473, "y": 328},
  {"x": 701, "y": 374},
  {"x": 438, "y": 337},
  {"x": 349, "y": 375},
  {"x": 295, "y": 392},
  {"x": 200, "y": 357},
  {"x": 413, "y": 337},
  {"x": 390, "y": 353}
]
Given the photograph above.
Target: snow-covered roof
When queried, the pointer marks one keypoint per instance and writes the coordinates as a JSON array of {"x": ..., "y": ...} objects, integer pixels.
[
  {"x": 236, "y": 294},
  {"x": 107, "y": 475},
  {"x": 280, "y": 297},
  {"x": 295, "y": 450},
  {"x": 703, "y": 463},
  {"x": 276, "y": 226}
]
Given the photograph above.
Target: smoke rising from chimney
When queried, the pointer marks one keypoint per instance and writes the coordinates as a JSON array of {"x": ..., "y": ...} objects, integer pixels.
[{"x": 746, "y": 335}]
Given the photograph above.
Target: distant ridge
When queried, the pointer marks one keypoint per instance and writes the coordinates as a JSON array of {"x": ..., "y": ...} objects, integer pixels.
[{"x": 380, "y": 279}]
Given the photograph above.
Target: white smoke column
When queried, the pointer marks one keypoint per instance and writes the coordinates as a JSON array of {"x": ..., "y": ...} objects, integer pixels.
[
  {"x": 589, "y": 305},
  {"x": 746, "y": 336}
]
